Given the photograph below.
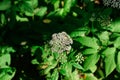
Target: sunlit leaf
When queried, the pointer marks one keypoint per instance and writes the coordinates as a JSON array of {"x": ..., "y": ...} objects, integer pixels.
[
  {"x": 104, "y": 37},
  {"x": 115, "y": 26},
  {"x": 5, "y": 60},
  {"x": 109, "y": 60},
  {"x": 18, "y": 18},
  {"x": 117, "y": 42},
  {"x": 88, "y": 41},
  {"x": 40, "y": 11},
  {"x": 90, "y": 77},
  {"x": 90, "y": 51},
  {"x": 55, "y": 75},
  {"x": 90, "y": 61}
]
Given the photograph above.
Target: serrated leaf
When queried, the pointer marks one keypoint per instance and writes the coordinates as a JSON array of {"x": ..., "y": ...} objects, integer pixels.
[
  {"x": 109, "y": 60},
  {"x": 5, "y": 60},
  {"x": 88, "y": 41},
  {"x": 117, "y": 43},
  {"x": 91, "y": 61},
  {"x": 89, "y": 51}
]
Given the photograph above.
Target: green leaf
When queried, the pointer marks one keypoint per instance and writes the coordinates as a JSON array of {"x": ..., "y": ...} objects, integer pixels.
[
  {"x": 78, "y": 66},
  {"x": 5, "y": 4},
  {"x": 89, "y": 51},
  {"x": 55, "y": 75},
  {"x": 21, "y": 19},
  {"x": 88, "y": 41},
  {"x": 40, "y": 11},
  {"x": 118, "y": 62},
  {"x": 115, "y": 26},
  {"x": 80, "y": 32},
  {"x": 117, "y": 43},
  {"x": 26, "y": 7},
  {"x": 34, "y": 3},
  {"x": 109, "y": 60},
  {"x": 68, "y": 4},
  {"x": 66, "y": 69},
  {"x": 3, "y": 20},
  {"x": 50, "y": 67},
  {"x": 75, "y": 75},
  {"x": 104, "y": 37},
  {"x": 91, "y": 61},
  {"x": 93, "y": 68},
  {"x": 56, "y": 3},
  {"x": 7, "y": 73},
  {"x": 107, "y": 11},
  {"x": 90, "y": 77},
  {"x": 5, "y": 60},
  {"x": 109, "y": 51}
]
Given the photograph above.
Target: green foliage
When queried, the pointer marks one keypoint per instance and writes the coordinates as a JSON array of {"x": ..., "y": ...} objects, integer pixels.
[{"x": 87, "y": 50}]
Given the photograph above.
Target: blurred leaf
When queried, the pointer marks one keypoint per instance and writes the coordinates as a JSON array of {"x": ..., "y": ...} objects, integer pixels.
[
  {"x": 117, "y": 42},
  {"x": 90, "y": 61},
  {"x": 93, "y": 68},
  {"x": 90, "y": 51},
  {"x": 88, "y": 41},
  {"x": 3, "y": 20},
  {"x": 90, "y": 77},
  {"x": 51, "y": 66},
  {"x": 118, "y": 62},
  {"x": 75, "y": 75},
  {"x": 56, "y": 3},
  {"x": 55, "y": 75},
  {"x": 26, "y": 7},
  {"x": 5, "y": 4},
  {"x": 66, "y": 69},
  {"x": 68, "y": 4},
  {"x": 110, "y": 64},
  {"x": 18, "y": 18},
  {"x": 107, "y": 11},
  {"x": 7, "y": 73},
  {"x": 40, "y": 11},
  {"x": 34, "y": 3},
  {"x": 5, "y": 60}
]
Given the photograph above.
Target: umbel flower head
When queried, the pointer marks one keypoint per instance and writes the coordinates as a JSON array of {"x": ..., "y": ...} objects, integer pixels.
[
  {"x": 112, "y": 3},
  {"x": 60, "y": 42}
]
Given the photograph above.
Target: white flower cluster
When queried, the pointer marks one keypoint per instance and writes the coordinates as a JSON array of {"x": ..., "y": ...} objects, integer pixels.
[
  {"x": 112, "y": 3},
  {"x": 79, "y": 58},
  {"x": 60, "y": 42}
]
